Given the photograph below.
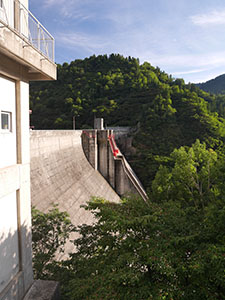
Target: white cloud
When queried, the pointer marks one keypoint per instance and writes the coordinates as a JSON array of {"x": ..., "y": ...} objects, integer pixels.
[
  {"x": 192, "y": 71},
  {"x": 66, "y": 7},
  {"x": 201, "y": 60},
  {"x": 212, "y": 18},
  {"x": 87, "y": 42},
  {"x": 48, "y": 3}
]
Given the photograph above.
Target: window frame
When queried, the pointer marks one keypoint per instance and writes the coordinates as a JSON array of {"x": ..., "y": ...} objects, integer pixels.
[{"x": 9, "y": 114}]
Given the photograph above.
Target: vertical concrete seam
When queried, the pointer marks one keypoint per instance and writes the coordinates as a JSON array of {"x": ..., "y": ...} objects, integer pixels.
[{"x": 18, "y": 122}]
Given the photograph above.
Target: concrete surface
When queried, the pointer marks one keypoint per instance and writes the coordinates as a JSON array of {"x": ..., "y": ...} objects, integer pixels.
[
  {"x": 60, "y": 173},
  {"x": 101, "y": 150},
  {"x": 16, "y": 273},
  {"x": 43, "y": 290}
]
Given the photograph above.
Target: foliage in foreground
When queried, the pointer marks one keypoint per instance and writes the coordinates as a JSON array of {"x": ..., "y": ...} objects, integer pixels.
[
  {"x": 49, "y": 234},
  {"x": 172, "y": 247}
]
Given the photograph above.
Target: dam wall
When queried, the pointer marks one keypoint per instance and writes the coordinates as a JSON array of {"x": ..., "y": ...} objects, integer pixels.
[{"x": 61, "y": 174}]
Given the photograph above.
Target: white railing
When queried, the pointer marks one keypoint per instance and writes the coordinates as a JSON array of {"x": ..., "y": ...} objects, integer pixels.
[{"x": 18, "y": 18}]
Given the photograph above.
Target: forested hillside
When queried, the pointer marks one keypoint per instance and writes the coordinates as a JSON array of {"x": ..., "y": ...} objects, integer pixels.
[
  {"x": 216, "y": 85},
  {"x": 170, "y": 247},
  {"x": 166, "y": 112}
]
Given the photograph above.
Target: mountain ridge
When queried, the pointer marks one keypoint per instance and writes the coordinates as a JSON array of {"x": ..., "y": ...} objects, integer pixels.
[{"x": 215, "y": 85}]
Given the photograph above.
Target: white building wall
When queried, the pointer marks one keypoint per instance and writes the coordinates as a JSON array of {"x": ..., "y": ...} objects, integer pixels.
[
  {"x": 25, "y": 3},
  {"x": 9, "y": 250},
  {"x": 16, "y": 62},
  {"x": 15, "y": 216},
  {"x": 7, "y": 12},
  {"x": 8, "y": 147},
  {"x": 25, "y": 123}
]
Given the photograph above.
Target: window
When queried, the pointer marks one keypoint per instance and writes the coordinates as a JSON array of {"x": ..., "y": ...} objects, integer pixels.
[{"x": 6, "y": 121}]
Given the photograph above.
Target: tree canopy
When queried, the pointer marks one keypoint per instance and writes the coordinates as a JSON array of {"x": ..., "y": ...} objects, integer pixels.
[{"x": 171, "y": 247}]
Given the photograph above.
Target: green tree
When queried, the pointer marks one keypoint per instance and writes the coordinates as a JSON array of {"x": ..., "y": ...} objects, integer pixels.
[
  {"x": 193, "y": 177},
  {"x": 139, "y": 250},
  {"x": 171, "y": 247},
  {"x": 49, "y": 234}
]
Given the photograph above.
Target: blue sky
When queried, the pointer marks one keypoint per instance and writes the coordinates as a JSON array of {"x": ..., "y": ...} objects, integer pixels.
[{"x": 185, "y": 38}]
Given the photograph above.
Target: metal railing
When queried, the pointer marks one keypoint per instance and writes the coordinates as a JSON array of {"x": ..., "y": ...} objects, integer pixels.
[
  {"x": 18, "y": 18},
  {"x": 127, "y": 168}
]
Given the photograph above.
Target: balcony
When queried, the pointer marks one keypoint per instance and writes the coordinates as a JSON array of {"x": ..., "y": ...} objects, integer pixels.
[{"x": 25, "y": 41}]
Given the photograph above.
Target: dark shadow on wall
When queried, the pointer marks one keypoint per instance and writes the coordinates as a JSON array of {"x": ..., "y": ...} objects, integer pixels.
[{"x": 16, "y": 275}]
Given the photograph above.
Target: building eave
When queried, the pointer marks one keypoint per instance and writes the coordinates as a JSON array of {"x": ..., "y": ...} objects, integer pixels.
[{"x": 26, "y": 60}]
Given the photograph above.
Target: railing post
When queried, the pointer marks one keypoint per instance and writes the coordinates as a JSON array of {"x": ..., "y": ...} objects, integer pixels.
[
  {"x": 53, "y": 48},
  {"x": 17, "y": 15},
  {"x": 38, "y": 37}
]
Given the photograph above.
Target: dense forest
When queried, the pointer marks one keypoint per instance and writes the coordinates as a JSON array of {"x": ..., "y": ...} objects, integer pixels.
[
  {"x": 171, "y": 247},
  {"x": 166, "y": 112},
  {"x": 215, "y": 86}
]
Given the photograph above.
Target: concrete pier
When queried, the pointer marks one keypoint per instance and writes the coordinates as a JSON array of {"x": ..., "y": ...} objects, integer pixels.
[{"x": 111, "y": 163}]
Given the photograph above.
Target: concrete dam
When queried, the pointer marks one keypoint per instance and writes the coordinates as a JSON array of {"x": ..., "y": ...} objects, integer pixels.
[{"x": 68, "y": 167}]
